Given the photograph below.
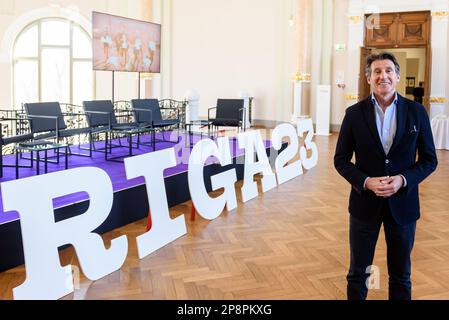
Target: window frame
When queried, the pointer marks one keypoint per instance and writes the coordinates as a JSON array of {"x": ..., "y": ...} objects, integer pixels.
[{"x": 38, "y": 58}]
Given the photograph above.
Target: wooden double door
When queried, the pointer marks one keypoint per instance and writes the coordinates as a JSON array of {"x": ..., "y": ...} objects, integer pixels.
[{"x": 402, "y": 30}]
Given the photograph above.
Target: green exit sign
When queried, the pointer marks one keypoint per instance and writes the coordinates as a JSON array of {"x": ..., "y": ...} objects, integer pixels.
[{"x": 339, "y": 47}]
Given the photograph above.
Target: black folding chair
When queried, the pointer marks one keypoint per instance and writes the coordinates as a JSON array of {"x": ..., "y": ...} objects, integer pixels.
[
  {"x": 229, "y": 113},
  {"x": 47, "y": 122},
  {"x": 147, "y": 112},
  {"x": 6, "y": 140},
  {"x": 101, "y": 118}
]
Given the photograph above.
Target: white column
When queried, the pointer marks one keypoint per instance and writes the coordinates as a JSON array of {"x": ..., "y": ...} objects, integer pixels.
[
  {"x": 355, "y": 41},
  {"x": 166, "y": 59},
  {"x": 303, "y": 49},
  {"x": 297, "y": 97},
  {"x": 193, "y": 98},
  {"x": 439, "y": 43},
  {"x": 317, "y": 29},
  {"x": 323, "y": 107},
  {"x": 322, "y": 48},
  {"x": 245, "y": 96},
  {"x": 298, "y": 89},
  {"x": 155, "y": 81}
]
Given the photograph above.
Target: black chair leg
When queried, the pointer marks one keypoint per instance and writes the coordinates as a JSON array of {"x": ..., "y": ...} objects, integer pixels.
[
  {"x": 17, "y": 164},
  {"x": 106, "y": 147},
  {"x": 91, "y": 145},
  {"x": 1, "y": 161},
  {"x": 154, "y": 140}
]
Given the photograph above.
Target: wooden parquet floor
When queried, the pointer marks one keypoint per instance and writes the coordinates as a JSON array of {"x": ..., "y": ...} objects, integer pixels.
[{"x": 289, "y": 243}]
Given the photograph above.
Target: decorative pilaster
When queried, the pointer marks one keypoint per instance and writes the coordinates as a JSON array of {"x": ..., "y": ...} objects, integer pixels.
[
  {"x": 440, "y": 51},
  {"x": 355, "y": 18},
  {"x": 303, "y": 40}
]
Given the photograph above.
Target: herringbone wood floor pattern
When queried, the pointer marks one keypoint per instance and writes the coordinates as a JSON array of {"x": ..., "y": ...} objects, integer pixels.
[{"x": 289, "y": 243}]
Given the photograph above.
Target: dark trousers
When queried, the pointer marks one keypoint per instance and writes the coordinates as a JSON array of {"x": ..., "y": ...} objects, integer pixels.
[{"x": 362, "y": 240}]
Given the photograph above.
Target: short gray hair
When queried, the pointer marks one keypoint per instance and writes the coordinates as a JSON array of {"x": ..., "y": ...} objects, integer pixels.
[{"x": 380, "y": 56}]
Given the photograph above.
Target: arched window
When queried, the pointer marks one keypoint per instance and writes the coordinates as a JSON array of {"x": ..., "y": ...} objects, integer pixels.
[{"x": 52, "y": 61}]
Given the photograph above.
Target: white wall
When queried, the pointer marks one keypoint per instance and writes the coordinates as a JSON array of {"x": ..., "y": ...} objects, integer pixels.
[{"x": 220, "y": 47}]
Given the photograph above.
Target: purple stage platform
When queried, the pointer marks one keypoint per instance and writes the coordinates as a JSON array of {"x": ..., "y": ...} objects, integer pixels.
[
  {"x": 115, "y": 170},
  {"x": 130, "y": 201}
]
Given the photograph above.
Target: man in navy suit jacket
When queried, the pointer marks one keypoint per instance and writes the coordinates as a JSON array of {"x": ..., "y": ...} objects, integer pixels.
[{"x": 385, "y": 132}]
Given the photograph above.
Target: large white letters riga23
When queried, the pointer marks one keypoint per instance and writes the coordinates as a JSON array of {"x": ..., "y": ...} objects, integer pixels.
[
  {"x": 306, "y": 125},
  {"x": 164, "y": 230},
  {"x": 208, "y": 207},
  {"x": 252, "y": 142},
  {"x": 286, "y": 171},
  {"x": 42, "y": 236}
]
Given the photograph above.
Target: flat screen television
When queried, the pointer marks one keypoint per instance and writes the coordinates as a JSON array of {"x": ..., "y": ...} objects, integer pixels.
[{"x": 123, "y": 44}]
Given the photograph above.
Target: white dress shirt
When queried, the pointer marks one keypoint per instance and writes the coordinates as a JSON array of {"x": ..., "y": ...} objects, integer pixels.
[{"x": 386, "y": 123}]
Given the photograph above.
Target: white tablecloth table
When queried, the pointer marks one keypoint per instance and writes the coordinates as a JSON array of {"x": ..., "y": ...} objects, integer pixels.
[{"x": 440, "y": 130}]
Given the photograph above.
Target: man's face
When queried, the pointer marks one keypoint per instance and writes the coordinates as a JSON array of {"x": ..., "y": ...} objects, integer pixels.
[{"x": 383, "y": 79}]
